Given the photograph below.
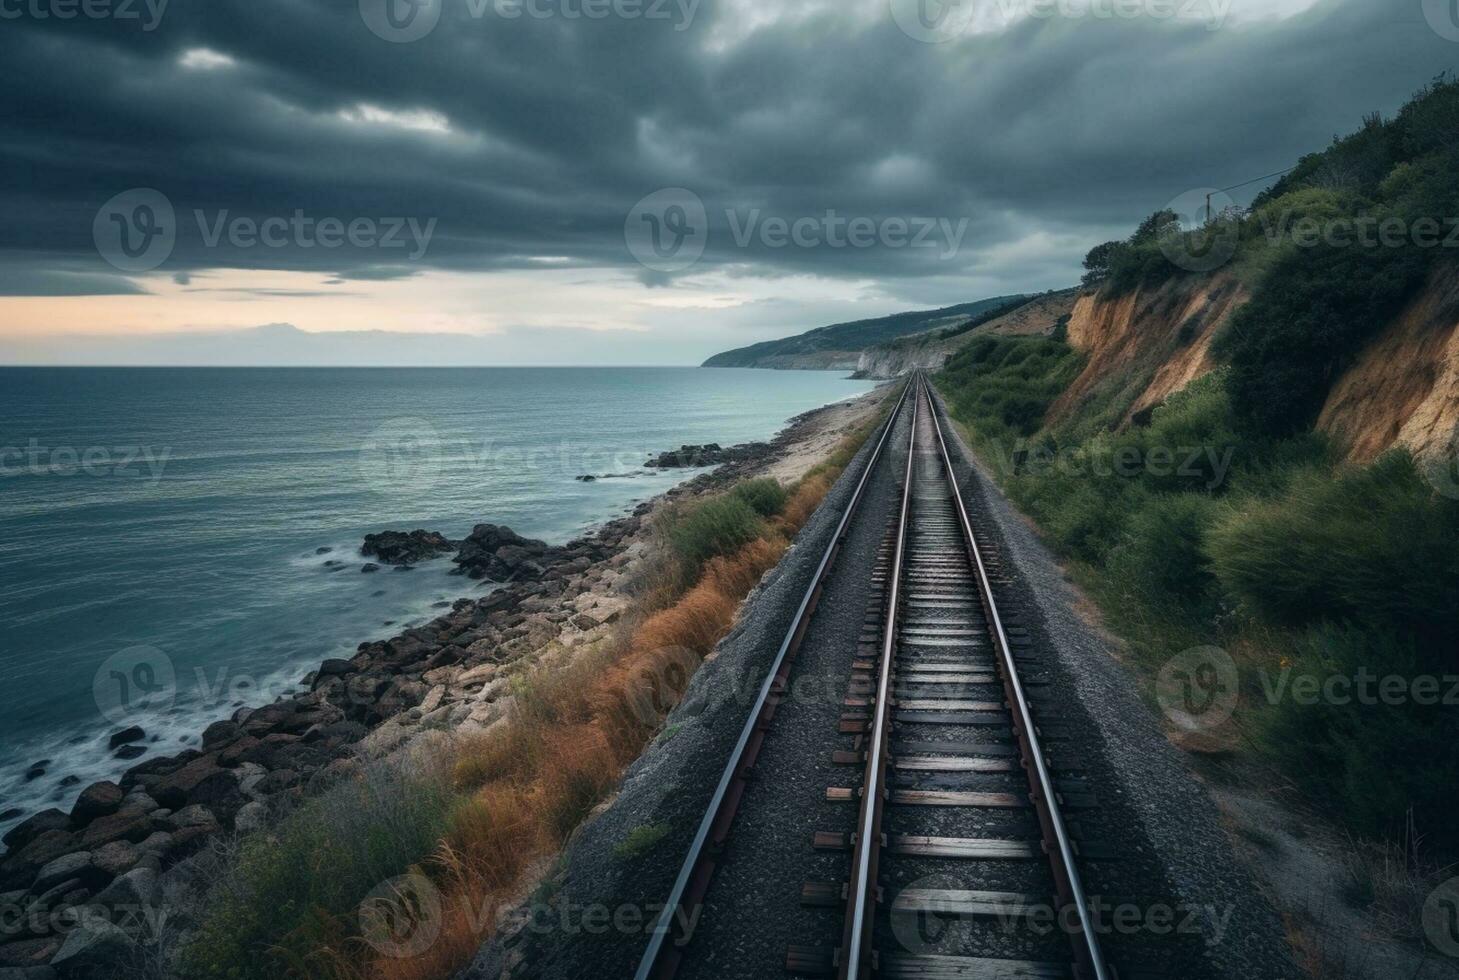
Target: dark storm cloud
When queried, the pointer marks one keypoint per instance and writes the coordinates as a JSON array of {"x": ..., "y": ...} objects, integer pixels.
[{"x": 530, "y": 138}]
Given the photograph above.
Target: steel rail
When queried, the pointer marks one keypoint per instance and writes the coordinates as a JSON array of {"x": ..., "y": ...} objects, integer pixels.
[
  {"x": 856, "y": 941},
  {"x": 1088, "y": 955},
  {"x": 695, "y": 872}
]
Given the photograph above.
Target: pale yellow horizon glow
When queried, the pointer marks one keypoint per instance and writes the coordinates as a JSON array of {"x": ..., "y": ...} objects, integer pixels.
[
  {"x": 432, "y": 302},
  {"x": 469, "y": 304}
]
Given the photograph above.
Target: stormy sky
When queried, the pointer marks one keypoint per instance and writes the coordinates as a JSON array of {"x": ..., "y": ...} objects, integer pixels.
[{"x": 622, "y": 181}]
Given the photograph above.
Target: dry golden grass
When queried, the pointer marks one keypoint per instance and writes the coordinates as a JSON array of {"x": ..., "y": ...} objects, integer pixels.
[
  {"x": 536, "y": 776},
  {"x": 806, "y": 497}
]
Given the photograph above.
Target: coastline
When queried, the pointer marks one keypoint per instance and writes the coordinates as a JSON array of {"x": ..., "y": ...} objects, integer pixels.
[{"x": 125, "y": 840}]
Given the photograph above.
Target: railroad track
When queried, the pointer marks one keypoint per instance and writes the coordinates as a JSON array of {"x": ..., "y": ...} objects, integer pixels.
[{"x": 960, "y": 847}]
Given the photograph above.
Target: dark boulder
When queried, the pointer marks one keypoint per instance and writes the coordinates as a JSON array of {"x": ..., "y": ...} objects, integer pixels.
[
  {"x": 200, "y": 781},
  {"x": 221, "y": 733},
  {"x": 405, "y": 547},
  {"x": 709, "y": 454},
  {"x": 501, "y": 554},
  {"x": 32, "y": 827},
  {"x": 706, "y": 455},
  {"x": 131, "y": 825},
  {"x": 97, "y": 800},
  {"x": 125, "y": 736},
  {"x": 19, "y": 867}
]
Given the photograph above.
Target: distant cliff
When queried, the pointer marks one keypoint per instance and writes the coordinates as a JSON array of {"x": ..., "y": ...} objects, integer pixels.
[
  {"x": 931, "y": 348},
  {"x": 839, "y": 346}
]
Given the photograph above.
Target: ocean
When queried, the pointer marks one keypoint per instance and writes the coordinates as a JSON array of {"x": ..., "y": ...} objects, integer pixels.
[{"x": 175, "y": 542}]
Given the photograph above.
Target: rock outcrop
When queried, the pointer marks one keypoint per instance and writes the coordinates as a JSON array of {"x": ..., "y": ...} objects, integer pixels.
[
  {"x": 405, "y": 547},
  {"x": 495, "y": 552},
  {"x": 709, "y": 454}
]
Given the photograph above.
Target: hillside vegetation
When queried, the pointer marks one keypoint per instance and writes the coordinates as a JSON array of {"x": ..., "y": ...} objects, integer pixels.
[
  {"x": 1219, "y": 516},
  {"x": 930, "y": 349},
  {"x": 840, "y": 345}
]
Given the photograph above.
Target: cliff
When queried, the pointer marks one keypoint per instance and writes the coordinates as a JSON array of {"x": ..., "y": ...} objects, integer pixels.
[
  {"x": 1402, "y": 390},
  {"x": 930, "y": 349},
  {"x": 1404, "y": 387},
  {"x": 839, "y": 346},
  {"x": 1147, "y": 343}
]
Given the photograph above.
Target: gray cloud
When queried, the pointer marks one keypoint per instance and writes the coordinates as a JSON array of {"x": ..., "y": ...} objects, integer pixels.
[{"x": 531, "y": 138}]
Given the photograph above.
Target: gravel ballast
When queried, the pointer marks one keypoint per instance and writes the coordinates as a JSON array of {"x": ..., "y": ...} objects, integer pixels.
[
  {"x": 1170, "y": 813},
  {"x": 592, "y": 918}
]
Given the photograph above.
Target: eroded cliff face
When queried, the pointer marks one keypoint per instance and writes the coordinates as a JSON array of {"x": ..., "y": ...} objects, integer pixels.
[
  {"x": 930, "y": 352},
  {"x": 1152, "y": 342},
  {"x": 1403, "y": 390},
  {"x": 1404, "y": 387},
  {"x": 882, "y": 363}
]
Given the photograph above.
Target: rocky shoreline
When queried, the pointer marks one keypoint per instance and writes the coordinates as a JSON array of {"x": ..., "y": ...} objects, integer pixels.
[{"x": 79, "y": 889}]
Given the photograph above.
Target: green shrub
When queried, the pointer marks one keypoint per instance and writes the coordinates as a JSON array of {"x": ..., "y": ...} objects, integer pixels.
[
  {"x": 1305, "y": 323},
  {"x": 1003, "y": 386},
  {"x": 296, "y": 890},
  {"x": 707, "y": 528},
  {"x": 1162, "y": 556},
  {"x": 765, "y": 495},
  {"x": 1374, "y": 545},
  {"x": 1374, "y": 758},
  {"x": 1313, "y": 308}
]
